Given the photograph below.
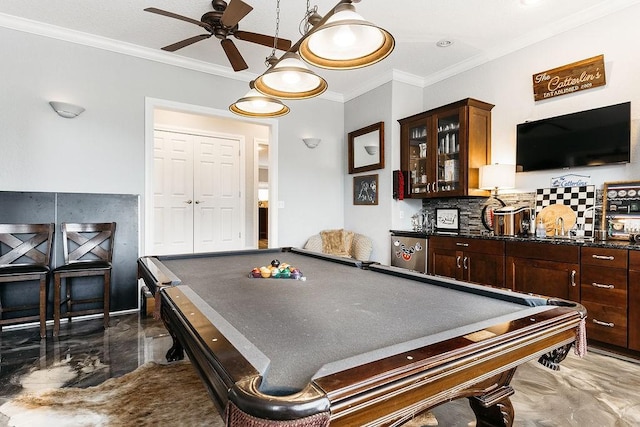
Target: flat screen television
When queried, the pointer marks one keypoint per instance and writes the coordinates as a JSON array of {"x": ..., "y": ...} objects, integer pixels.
[{"x": 588, "y": 138}]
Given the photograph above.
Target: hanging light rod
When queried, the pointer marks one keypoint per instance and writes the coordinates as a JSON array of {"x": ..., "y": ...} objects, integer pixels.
[{"x": 341, "y": 39}]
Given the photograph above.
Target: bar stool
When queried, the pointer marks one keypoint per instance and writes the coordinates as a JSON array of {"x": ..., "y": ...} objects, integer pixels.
[
  {"x": 25, "y": 251},
  {"x": 88, "y": 251}
]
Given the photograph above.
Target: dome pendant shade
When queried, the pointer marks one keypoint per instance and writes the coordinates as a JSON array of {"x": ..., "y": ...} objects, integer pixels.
[
  {"x": 254, "y": 104},
  {"x": 346, "y": 41},
  {"x": 290, "y": 78}
]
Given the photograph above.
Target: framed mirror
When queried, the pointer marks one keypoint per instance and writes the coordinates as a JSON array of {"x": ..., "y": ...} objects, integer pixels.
[{"x": 366, "y": 148}]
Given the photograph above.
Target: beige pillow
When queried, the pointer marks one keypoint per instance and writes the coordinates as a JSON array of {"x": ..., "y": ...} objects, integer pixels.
[{"x": 335, "y": 243}]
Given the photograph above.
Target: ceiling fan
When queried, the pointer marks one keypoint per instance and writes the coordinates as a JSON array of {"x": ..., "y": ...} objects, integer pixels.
[{"x": 222, "y": 22}]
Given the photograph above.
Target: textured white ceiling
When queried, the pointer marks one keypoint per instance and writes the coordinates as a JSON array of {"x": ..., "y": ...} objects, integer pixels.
[{"x": 480, "y": 30}]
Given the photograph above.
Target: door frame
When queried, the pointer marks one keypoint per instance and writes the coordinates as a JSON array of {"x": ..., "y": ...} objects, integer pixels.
[{"x": 146, "y": 210}]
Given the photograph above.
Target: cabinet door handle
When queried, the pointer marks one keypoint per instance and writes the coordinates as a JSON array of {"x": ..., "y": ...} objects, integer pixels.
[
  {"x": 458, "y": 261},
  {"x": 462, "y": 244},
  {"x": 188, "y": 201},
  {"x": 604, "y": 257},
  {"x": 435, "y": 186},
  {"x": 607, "y": 324},
  {"x": 198, "y": 202},
  {"x": 573, "y": 277},
  {"x": 429, "y": 188},
  {"x": 603, "y": 286},
  {"x": 464, "y": 263}
]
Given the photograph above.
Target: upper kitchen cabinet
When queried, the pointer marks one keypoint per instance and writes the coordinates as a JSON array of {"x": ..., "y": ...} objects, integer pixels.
[{"x": 441, "y": 150}]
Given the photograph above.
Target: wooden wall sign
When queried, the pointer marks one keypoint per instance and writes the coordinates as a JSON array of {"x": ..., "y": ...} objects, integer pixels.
[{"x": 570, "y": 78}]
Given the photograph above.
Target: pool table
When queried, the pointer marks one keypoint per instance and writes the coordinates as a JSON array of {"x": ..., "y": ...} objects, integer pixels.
[{"x": 350, "y": 343}]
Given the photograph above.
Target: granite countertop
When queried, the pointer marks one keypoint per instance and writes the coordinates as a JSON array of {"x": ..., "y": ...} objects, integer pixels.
[{"x": 614, "y": 244}]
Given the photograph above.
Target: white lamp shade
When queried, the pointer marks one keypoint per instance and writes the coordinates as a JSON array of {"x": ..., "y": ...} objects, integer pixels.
[
  {"x": 290, "y": 78},
  {"x": 255, "y": 104},
  {"x": 497, "y": 176},
  {"x": 371, "y": 149},
  {"x": 66, "y": 110},
  {"x": 346, "y": 41},
  {"x": 311, "y": 142}
]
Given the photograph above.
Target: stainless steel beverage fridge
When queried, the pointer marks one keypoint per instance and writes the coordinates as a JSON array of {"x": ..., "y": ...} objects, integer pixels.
[{"x": 409, "y": 252}]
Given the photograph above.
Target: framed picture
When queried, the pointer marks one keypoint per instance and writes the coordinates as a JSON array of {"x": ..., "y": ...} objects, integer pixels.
[
  {"x": 365, "y": 190},
  {"x": 448, "y": 220},
  {"x": 366, "y": 148}
]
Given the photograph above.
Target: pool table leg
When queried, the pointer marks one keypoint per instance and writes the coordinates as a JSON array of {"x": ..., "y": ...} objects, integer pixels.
[
  {"x": 176, "y": 352},
  {"x": 494, "y": 408}
]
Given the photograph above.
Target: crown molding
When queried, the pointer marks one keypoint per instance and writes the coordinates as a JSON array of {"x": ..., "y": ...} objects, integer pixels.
[
  {"x": 386, "y": 77},
  {"x": 575, "y": 20},
  {"x": 116, "y": 46}
]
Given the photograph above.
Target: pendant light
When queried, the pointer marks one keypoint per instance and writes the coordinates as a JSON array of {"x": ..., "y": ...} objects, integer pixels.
[
  {"x": 290, "y": 78},
  {"x": 255, "y": 104},
  {"x": 346, "y": 41}
]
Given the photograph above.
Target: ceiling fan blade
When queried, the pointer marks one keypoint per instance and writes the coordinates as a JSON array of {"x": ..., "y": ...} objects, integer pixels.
[
  {"x": 235, "y": 58},
  {"x": 235, "y": 11},
  {"x": 282, "y": 44},
  {"x": 176, "y": 16},
  {"x": 185, "y": 42}
]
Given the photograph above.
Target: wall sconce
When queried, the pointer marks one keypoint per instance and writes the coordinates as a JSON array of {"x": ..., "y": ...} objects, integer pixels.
[
  {"x": 68, "y": 111},
  {"x": 311, "y": 142},
  {"x": 371, "y": 149}
]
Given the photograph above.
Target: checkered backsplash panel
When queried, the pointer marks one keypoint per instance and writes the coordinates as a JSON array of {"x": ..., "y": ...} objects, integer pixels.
[{"x": 577, "y": 198}]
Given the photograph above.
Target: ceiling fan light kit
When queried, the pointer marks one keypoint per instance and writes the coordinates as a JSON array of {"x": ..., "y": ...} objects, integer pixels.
[{"x": 346, "y": 41}]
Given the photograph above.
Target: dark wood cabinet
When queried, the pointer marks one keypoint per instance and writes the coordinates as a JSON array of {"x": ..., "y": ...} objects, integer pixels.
[
  {"x": 441, "y": 150},
  {"x": 605, "y": 280},
  {"x": 634, "y": 301},
  {"x": 472, "y": 260},
  {"x": 604, "y": 293},
  {"x": 544, "y": 269}
]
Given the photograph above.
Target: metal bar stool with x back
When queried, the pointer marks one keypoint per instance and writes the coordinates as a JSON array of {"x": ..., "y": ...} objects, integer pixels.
[
  {"x": 88, "y": 251},
  {"x": 25, "y": 251}
]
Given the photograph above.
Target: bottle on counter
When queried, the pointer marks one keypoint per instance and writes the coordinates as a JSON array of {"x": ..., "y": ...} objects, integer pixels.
[{"x": 541, "y": 230}]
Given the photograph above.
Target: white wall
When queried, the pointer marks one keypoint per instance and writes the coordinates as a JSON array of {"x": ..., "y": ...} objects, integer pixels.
[
  {"x": 102, "y": 151},
  {"x": 507, "y": 83},
  {"x": 387, "y": 103}
]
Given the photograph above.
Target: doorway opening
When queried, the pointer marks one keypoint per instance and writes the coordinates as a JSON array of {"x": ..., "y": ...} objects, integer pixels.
[
  {"x": 257, "y": 172},
  {"x": 263, "y": 193}
]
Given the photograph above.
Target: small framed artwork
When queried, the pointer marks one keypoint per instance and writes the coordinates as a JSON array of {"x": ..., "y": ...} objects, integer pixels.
[
  {"x": 448, "y": 220},
  {"x": 365, "y": 190}
]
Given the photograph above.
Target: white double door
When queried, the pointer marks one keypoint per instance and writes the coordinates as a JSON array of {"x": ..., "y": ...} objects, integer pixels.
[{"x": 196, "y": 193}]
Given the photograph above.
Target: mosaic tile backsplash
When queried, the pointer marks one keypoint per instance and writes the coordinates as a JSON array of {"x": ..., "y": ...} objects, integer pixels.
[{"x": 471, "y": 208}]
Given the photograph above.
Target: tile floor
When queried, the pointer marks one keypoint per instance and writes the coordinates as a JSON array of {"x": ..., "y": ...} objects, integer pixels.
[{"x": 597, "y": 391}]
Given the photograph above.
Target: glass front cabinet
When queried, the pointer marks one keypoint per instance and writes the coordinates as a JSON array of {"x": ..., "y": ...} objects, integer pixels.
[{"x": 441, "y": 150}]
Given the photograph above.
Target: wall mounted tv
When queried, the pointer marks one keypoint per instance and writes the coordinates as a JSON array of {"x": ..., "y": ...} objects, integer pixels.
[{"x": 588, "y": 138}]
